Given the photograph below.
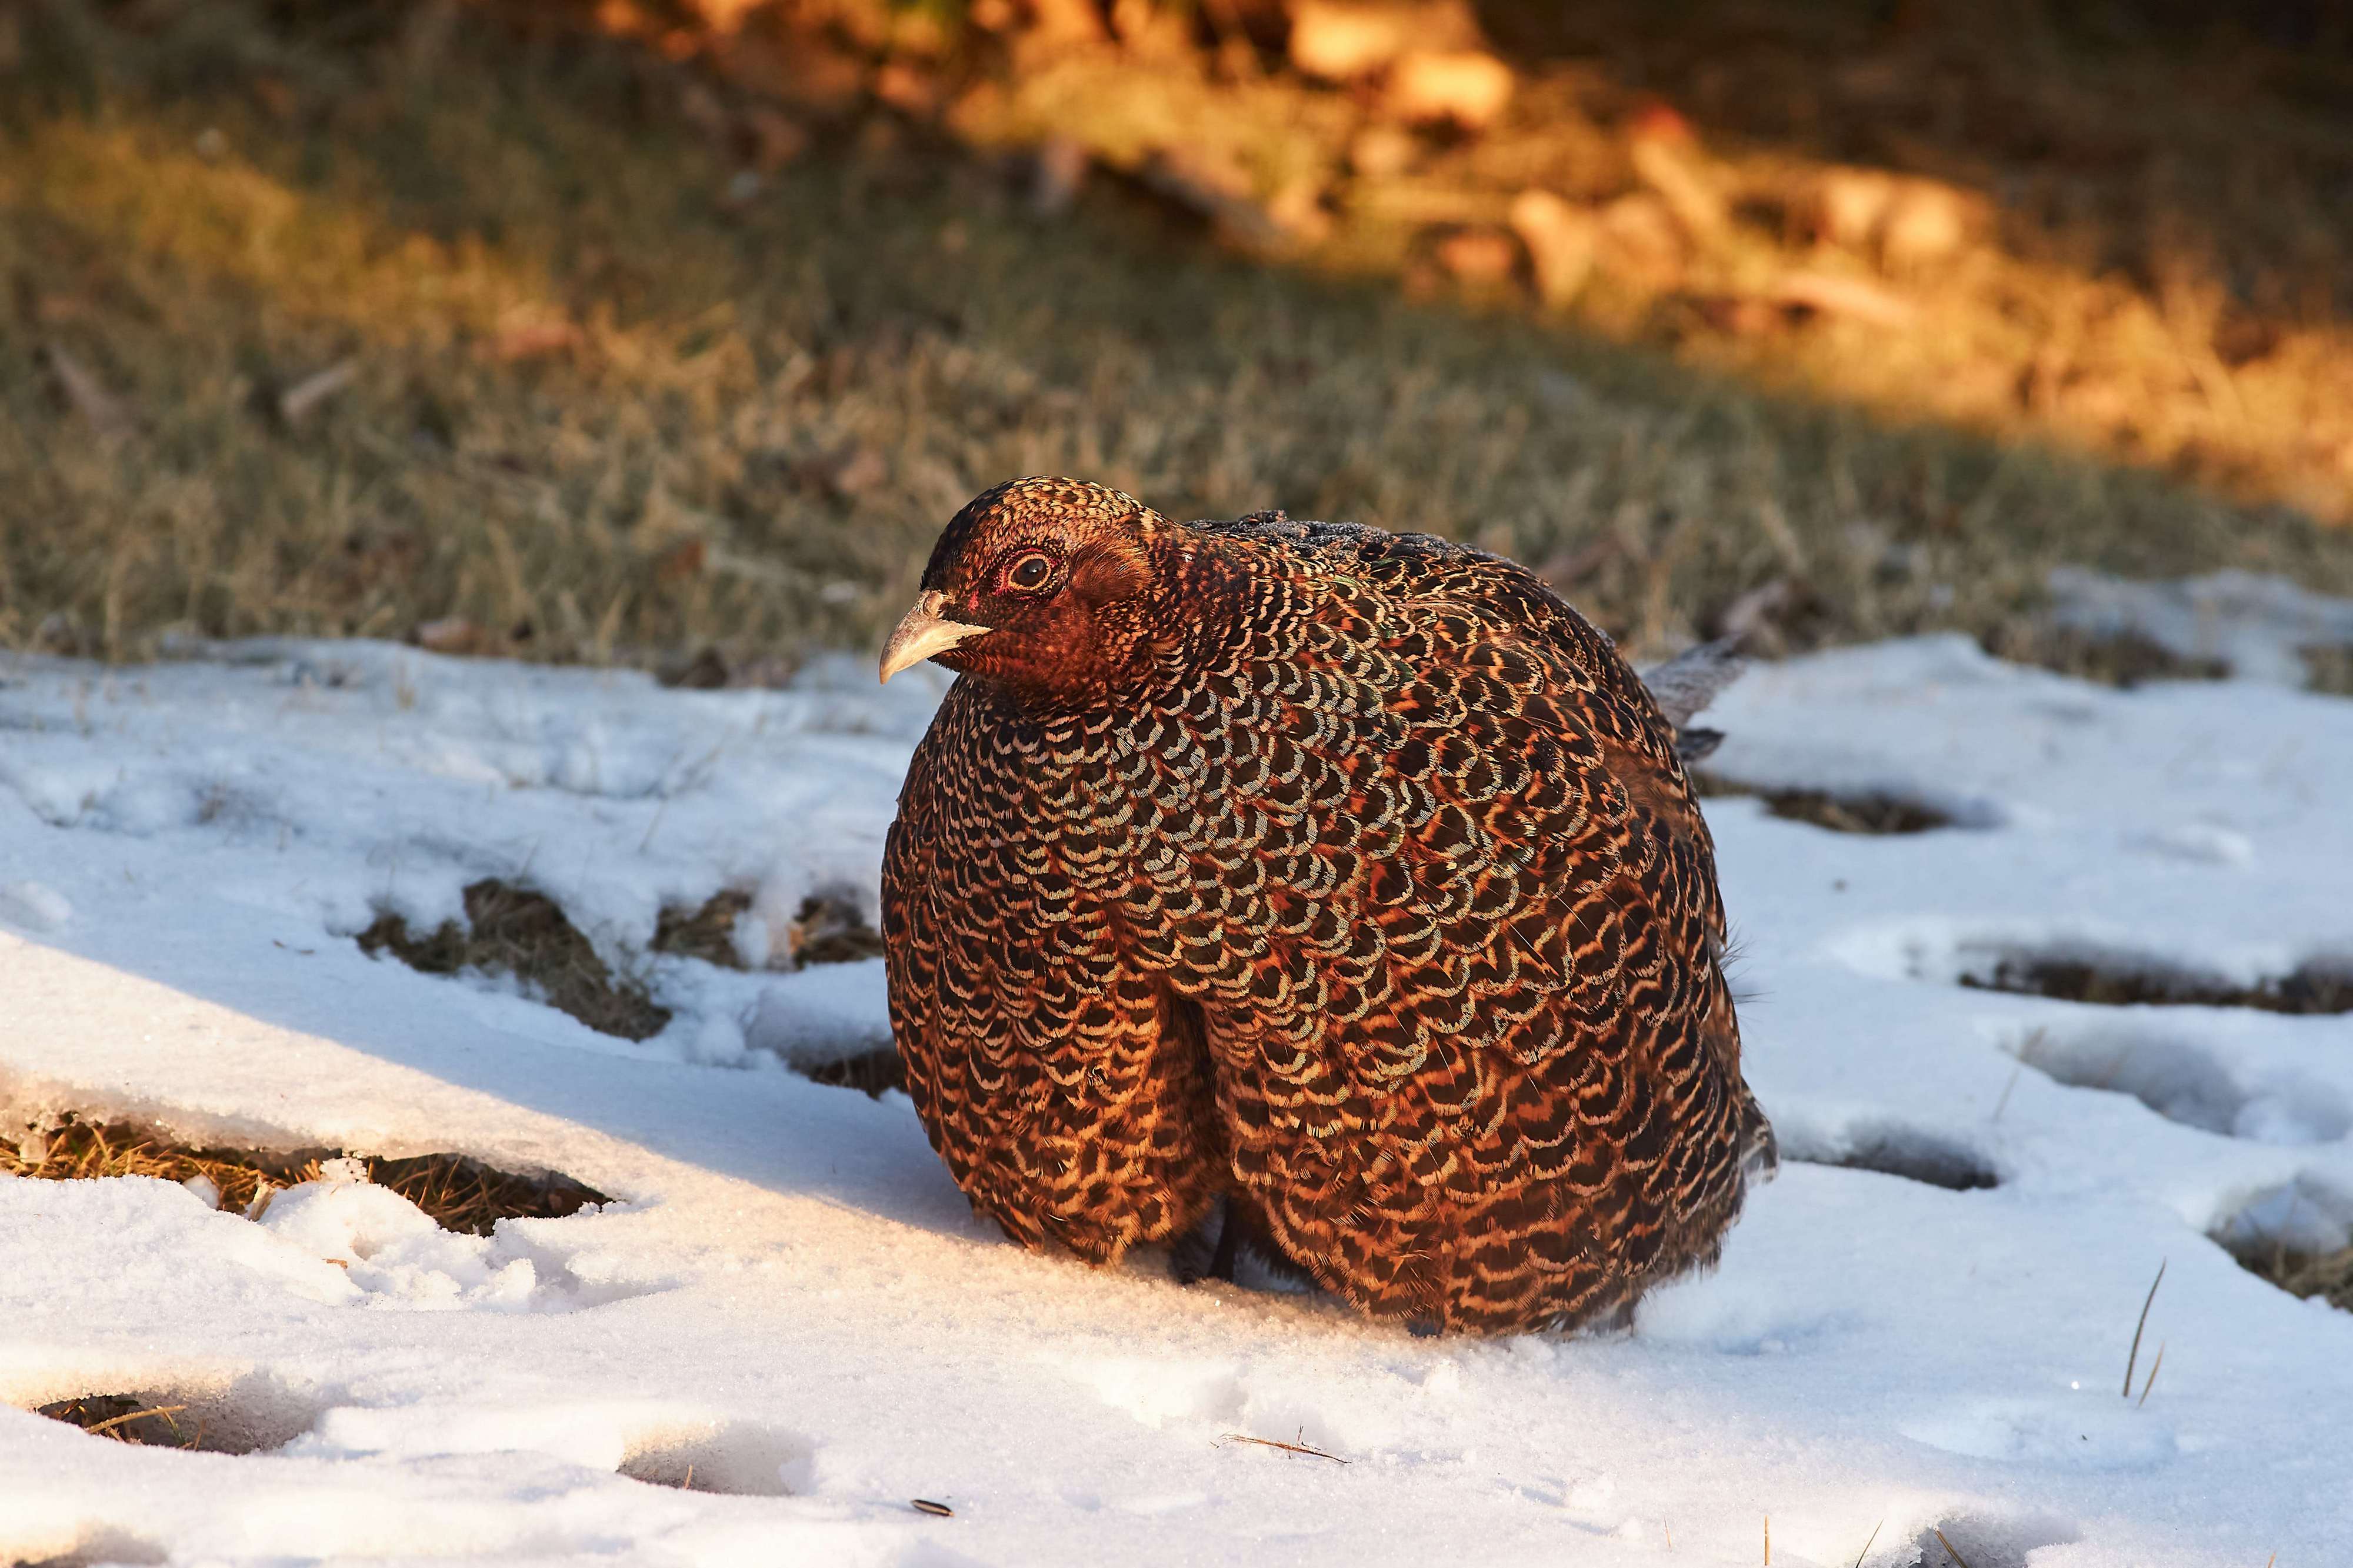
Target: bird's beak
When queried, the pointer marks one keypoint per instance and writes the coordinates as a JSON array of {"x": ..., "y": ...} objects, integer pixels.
[{"x": 923, "y": 633}]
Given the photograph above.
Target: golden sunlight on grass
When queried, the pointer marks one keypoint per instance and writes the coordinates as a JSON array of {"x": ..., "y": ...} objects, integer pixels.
[{"x": 465, "y": 324}]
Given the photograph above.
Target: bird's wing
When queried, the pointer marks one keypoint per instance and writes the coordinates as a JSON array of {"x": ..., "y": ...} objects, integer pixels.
[
  {"x": 1423, "y": 567},
  {"x": 1067, "y": 1092},
  {"x": 1481, "y": 1065}
]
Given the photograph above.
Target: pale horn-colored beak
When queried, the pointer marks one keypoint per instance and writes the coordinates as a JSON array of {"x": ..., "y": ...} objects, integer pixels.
[{"x": 922, "y": 634}]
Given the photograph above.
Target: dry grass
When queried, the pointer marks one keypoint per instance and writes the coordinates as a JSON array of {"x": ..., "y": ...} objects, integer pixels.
[
  {"x": 2327, "y": 1275},
  {"x": 2310, "y": 989},
  {"x": 825, "y": 929},
  {"x": 128, "y": 1419},
  {"x": 707, "y": 932},
  {"x": 515, "y": 931},
  {"x": 873, "y": 1074},
  {"x": 2329, "y": 668},
  {"x": 1872, "y": 814},
  {"x": 459, "y": 1192},
  {"x": 589, "y": 395},
  {"x": 2123, "y": 660}
]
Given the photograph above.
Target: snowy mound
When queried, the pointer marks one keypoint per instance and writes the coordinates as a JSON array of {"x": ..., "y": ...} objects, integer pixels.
[{"x": 2070, "y": 1012}]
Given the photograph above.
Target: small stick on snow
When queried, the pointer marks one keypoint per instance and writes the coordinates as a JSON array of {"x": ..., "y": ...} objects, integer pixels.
[
  {"x": 1768, "y": 1540},
  {"x": 1286, "y": 1447},
  {"x": 165, "y": 1411},
  {"x": 1868, "y": 1542},
  {"x": 1948, "y": 1550},
  {"x": 2152, "y": 1376},
  {"x": 937, "y": 1510},
  {"x": 2135, "y": 1355}
]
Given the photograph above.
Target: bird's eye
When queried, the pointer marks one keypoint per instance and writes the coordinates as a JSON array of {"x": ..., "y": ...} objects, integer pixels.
[{"x": 1030, "y": 572}]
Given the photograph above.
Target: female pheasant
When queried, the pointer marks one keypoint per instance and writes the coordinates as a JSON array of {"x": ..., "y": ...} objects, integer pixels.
[{"x": 1349, "y": 874}]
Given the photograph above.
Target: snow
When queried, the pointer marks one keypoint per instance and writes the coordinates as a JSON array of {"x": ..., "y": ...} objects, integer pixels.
[
  {"x": 2255, "y": 624},
  {"x": 789, "y": 1298}
]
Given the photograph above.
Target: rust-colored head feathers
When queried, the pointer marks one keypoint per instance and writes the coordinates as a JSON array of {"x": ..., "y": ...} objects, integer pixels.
[
  {"x": 1042, "y": 585},
  {"x": 1343, "y": 882}
]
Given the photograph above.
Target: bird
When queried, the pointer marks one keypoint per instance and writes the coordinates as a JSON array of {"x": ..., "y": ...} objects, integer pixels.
[{"x": 1342, "y": 883}]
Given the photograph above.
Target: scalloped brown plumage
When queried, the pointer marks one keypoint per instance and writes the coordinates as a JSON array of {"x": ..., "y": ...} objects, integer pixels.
[{"x": 1351, "y": 875}]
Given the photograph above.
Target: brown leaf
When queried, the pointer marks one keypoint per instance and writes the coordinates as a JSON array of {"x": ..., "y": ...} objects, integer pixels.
[
  {"x": 534, "y": 339},
  {"x": 681, "y": 561},
  {"x": 1339, "y": 42},
  {"x": 1840, "y": 296},
  {"x": 1560, "y": 237},
  {"x": 1478, "y": 256},
  {"x": 1466, "y": 87},
  {"x": 1670, "y": 169},
  {"x": 912, "y": 92}
]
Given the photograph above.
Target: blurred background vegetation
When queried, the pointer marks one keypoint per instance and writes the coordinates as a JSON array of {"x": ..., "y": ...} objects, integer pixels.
[{"x": 670, "y": 333}]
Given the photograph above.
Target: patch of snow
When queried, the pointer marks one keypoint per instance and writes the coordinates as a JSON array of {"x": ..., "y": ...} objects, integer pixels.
[
  {"x": 33, "y": 907},
  {"x": 2253, "y": 622},
  {"x": 790, "y": 1309}
]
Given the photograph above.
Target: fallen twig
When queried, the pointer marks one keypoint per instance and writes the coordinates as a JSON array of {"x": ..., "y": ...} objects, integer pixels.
[
  {"x": 1286, "y": 1447},
  {"x": 1948, "y": 1545},
  {"x": 165, "y": 1411}
]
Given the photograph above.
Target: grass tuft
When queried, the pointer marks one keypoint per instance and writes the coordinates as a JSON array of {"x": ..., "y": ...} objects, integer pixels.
[
  {"x": 2313, "y": 988},
  {"x": 2123, "y": 660},
  {"x": 1866, "y": 813},
  {"x": 457, "y": 1190},
  {"x": 515, "y": 931},
  {"x": 2328, "y": 1276},
  {"x": 873, "y": 1073}
]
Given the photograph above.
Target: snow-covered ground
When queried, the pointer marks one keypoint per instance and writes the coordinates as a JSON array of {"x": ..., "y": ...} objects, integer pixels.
[{"x": 790, "y": 1296}]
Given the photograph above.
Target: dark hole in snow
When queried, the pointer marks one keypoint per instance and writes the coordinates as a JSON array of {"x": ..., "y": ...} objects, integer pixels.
[
  {"x": 874, "y": 1073},
  {"x": 2176, "y": 1079},
  {"x": 1914, "y": 1155},
  {"x": 2184, "y": 1082},
  {"x": 103, "y": 1545},
  {"x": 2327, "y": 1275},
  {"x": 1967, "y": 1542},
  {"x": 828, "y": 928},
  {"x": 744, "y": 1459},
  {"x": 2120, "y": 658},
  {"x": 831, "y": 929},
  {"x": 2299, "y": 1237},
  {"x": 2310, "y": 988},
  {"x": 1866, "y": 811},
  {"x": 2328, "y": 668},
  {"x": 254, "y": 1414},
  {"x": 457, "y": 1190},
  {"x": 515, "y": 931},
  {"x": 135, "y": 1418},
  {"x": 708, "y": 932}
]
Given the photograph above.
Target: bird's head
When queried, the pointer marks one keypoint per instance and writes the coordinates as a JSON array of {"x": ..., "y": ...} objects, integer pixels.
[{"x": 1043, "y": 585}]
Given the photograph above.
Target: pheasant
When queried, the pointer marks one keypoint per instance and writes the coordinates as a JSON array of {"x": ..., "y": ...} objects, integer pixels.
[{"x": 1350, "y": 878}]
